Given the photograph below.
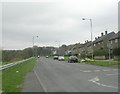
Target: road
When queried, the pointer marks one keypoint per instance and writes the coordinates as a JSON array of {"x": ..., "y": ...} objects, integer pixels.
[{"x": 60, "y": 76}]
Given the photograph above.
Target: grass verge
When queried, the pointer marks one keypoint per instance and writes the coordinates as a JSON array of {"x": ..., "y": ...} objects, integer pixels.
[
  {"x": 103, "y": 63},
  {"x": 0, "y": 63},
  {"x": 13, "y": 77}
]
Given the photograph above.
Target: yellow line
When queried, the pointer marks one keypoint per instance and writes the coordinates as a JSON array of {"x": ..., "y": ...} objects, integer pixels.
[{"x": 40, "y": 82}]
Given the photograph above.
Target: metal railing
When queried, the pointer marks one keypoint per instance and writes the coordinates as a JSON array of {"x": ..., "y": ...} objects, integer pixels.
[{"x": 13, "y": 64}]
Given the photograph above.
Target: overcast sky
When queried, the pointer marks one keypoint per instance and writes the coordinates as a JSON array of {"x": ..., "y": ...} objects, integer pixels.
[{"x": 55, "y": 20}]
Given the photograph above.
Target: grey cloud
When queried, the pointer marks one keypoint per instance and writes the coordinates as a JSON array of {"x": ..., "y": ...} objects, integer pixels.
[{"x": 53, "y": 21}]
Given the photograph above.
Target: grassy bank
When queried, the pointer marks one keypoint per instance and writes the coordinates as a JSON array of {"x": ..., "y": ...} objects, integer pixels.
[
  {"x": 0, "y": 63},
  {"x": 13, "y": 78},
  {"x": 0, "y": 81},
  {"x": 103, "y": 63}
]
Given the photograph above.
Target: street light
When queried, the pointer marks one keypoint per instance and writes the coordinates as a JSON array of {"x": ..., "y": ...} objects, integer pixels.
[
  {"x": 33, "y": 44},
  {"x": 58, "y": 46},
  {"x": 109, "y": 47},
  {"x": 91, "y": 32}
]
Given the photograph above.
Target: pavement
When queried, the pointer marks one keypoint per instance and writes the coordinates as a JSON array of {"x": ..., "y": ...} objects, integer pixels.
[{"x": 59, "y": 76}]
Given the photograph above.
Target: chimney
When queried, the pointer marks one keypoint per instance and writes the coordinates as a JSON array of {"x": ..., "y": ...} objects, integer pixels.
[
  {"x": 105, "y": 32},
  {"x": 101, "y": 34}
]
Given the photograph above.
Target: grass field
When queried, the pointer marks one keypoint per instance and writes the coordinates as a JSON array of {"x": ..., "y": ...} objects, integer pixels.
[{"x": 13, "y": 78}]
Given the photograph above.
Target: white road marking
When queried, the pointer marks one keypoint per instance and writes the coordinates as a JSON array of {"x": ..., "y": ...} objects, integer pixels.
[
  {"x": 87, "y": 71},
  {"x": 41, "y": 82},
  {"x": 96, "y": 81},
  {"x": 112, "y": 74},
  {"x": 114, "y": 69},
  {"x": 96, "y": 70},
  {"x": 81, "y": 70},
  {"x": 106, "y": 70}
]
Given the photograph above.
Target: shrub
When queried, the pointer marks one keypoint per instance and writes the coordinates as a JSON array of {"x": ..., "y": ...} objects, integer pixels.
[
  {"x": 101, "y": 52},
  {"x": 116, "y": 51}
]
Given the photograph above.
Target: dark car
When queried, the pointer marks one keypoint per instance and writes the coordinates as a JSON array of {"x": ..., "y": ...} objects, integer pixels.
[{"x": 72, "y": 59}]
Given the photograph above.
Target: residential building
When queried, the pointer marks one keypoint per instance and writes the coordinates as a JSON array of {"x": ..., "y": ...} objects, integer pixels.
[
  {"x": 114, "y": 43},
  {"x": 114, "y": 40},
  {"x": 102, "y": 43}
]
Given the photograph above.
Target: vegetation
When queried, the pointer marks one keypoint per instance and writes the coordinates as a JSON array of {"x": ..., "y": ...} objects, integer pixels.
[
  {"x": 101, "y": 52},
  {"x": 103, "y": 63},
  {"x": 44, "y": 51},
  {"x": 116, "y": 51},
  {"x": 16, "y": 55},
  {"x": 0, "y": 81},
  {"x": 0, "y": 63},
  {"x": 66, "y": 58},
  {"x": 13, "y": 77},
  {"x": 89, "y": 55},
  {"x": 83, "y": 56}
]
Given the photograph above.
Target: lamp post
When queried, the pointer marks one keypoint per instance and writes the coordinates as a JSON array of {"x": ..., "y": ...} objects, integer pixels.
[
  {"x": 58, "y": 46},
  {"x": 91, "y": 33},
  {"x": 109, "y": 47},
  {"x": 33, "y": 45}
]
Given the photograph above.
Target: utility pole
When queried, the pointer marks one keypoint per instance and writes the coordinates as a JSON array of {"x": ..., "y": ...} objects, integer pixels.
[
  {"x": 34, "y": 52},
  {"x": 91, "y": 33}
]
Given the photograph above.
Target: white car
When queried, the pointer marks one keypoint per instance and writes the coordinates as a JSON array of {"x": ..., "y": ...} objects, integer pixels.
[
  {"x": 61, "y": 58},
  {"x": 46, "y": 56},
  {"x": 38, "y": 56}
]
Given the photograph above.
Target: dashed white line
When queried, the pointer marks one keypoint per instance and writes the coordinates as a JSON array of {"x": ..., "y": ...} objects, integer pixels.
[
  {"x": 87, "y": 71},
  {"x": 114, "y": 69},
  {"x": 112, "y": 74},
  {"x": 96, "y": 70},
  {"x": 81, "y": 70},
  {"x": 106, "y": 70}
]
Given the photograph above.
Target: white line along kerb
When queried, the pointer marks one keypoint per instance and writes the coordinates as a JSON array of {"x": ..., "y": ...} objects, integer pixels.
[{"x": 40, "y": 82}]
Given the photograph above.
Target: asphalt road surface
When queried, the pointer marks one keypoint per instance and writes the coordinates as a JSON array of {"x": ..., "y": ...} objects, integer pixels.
[{"x": 59, "y": 76}]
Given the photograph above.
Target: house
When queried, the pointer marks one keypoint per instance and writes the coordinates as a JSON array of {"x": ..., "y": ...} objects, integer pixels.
[
  {"x": 114, "y": 43},
  {"x": 114, "y": 40},
  {"x": 75, "y": 49},
  {"x": 101, "y": 43},
  {"x": 87, "y": 47}
]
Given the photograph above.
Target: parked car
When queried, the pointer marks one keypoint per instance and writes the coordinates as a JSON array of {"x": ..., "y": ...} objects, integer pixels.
[
  {"x": 55, "y": 57},
  {"x": 61, "y": 58},
  {"x": 72, "y": 59},
  {"x": 38, "y": 56},
  {"x": 46, "y": 56}
]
